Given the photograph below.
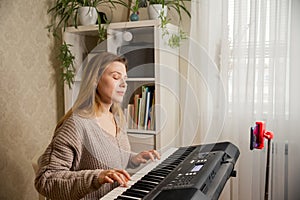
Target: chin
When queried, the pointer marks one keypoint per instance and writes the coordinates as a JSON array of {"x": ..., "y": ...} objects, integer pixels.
[{"x": 118, "y": 100}]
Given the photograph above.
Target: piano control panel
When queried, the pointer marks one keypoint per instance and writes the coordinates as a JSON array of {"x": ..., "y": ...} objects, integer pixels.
[{"x": 190, "y": 173}]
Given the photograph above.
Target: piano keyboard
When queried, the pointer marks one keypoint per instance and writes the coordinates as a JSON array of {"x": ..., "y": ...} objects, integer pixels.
[
  {"x": 137, "y": 176},
  {"x": 194, "y": 172}
]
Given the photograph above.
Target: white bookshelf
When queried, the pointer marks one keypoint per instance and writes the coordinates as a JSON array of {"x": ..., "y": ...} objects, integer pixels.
[{"x": 162, "y": 72}]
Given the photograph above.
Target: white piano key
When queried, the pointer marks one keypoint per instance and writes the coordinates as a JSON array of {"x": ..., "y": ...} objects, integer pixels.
[{"x": 138, "y": 175}]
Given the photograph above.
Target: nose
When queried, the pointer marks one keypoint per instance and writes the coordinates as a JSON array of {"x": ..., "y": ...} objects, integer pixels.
[{"x": 123, "y": 83}]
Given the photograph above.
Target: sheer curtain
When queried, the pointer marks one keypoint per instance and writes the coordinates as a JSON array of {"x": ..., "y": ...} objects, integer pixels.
[
  {"x": 251, "y": 46},
  {"x": 257, "y": 73}
]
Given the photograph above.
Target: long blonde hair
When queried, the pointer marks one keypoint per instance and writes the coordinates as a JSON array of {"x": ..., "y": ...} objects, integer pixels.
[{"x": 88, "y": 100}]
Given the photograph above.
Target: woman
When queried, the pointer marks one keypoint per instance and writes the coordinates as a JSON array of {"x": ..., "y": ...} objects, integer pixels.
[{"x": 90, "y": 150}]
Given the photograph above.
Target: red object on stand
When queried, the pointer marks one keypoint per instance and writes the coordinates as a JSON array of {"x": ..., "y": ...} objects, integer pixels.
[{"x": 258, "y": 134}]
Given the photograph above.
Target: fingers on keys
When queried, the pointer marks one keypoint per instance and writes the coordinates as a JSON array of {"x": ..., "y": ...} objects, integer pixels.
[
  {"x": 110, "y": 176},
  {"x": 155, "y": 154}
]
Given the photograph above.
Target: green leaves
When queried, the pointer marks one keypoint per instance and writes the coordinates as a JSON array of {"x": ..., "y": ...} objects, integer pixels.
[
  {"x": 64, "y": 13},
  {"x": 176, "y": 39},
  {"x": 157, "y": 2},
  {"x": 67, "y": 59},
  {"x": 135, "y": 7},
  {"x": 178, "y": 5}
]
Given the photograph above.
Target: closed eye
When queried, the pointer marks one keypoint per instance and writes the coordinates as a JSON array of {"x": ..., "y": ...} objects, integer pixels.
[{"x": 116, "y": 76}]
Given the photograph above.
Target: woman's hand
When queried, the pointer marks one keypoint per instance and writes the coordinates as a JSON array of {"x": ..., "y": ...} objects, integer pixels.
[
  {"x": 110, "y": 176},
  {"x": 144, "y": 156}
]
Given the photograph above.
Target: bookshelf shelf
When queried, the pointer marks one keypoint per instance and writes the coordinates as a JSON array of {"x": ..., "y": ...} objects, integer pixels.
[
  {"x": 141, "y": 79},
  {"x": 150, "y": 60},
  {"x": 139, "y": 131}
]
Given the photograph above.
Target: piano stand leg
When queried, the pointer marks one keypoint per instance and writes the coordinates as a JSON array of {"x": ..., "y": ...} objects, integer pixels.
[{"x": 267, "y": 170}]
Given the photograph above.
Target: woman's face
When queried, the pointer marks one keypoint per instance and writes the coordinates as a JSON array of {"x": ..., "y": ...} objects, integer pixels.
[{"x": 112, "y": 85}]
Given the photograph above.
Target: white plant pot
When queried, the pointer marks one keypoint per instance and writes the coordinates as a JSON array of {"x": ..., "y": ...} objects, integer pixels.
[
  {"x": 154, "y": 11},
  {"x": 87, "y": 15}
]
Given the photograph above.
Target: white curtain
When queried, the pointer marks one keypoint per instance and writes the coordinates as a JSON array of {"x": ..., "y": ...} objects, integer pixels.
[{"x": 249, "y": 48}]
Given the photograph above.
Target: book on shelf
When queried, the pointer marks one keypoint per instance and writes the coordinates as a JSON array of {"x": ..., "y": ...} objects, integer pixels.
[
  {"x": 142, "y": 107},
  {"x": 151, "y": 122},
  {"x": 129, "y": 113},
  {"x": 140, "y": 113},
  {"x": 136, "y": 110},
  {"x": 147, "y": 107}
]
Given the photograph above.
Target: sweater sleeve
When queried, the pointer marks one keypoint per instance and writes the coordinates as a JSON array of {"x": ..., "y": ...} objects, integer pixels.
[
  {"x": 57, "y": 178},
  {"x": 131, "y": 164}
]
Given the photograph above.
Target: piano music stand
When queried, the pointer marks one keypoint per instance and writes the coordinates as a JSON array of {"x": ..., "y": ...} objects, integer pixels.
[{"x": 258, "y": 134}]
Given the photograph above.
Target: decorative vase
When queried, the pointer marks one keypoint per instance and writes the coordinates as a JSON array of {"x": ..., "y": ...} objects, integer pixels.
[
  {"x": 87, "y": 15},
  {"x": 154, "y": 11},
  {"x": 134, "y": 17}
]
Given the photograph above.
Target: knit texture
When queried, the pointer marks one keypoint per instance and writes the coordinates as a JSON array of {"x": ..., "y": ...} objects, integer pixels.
[{"x": 79, "y": 150}]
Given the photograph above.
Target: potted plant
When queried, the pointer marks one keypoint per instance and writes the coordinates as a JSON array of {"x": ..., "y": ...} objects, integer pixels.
[
  {"x": 65, "y": 13},
  {"x": 87, "y": 15},
  {"x": 159, "y": 8},
  {"x": 135, "y": 11},
  {"x": 177, "y": 5}
]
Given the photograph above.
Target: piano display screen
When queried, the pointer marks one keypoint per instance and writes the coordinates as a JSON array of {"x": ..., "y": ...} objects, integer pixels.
[{"x": 196, "y": 168}]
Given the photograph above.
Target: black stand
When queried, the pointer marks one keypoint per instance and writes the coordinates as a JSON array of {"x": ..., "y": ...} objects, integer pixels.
[
  {"x": 257, "y": 136},
  {"x": 267, "y": 170}
]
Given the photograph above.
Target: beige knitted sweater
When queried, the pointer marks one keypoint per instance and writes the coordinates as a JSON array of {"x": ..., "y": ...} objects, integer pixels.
[{"x": 80, "y": 149}]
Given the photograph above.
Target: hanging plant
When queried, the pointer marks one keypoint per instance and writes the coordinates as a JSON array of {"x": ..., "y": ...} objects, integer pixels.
[
  {"x": 64, "y": 13},
  {"x": 175, "y": 39},
  {"x": 67, "y": 64}
]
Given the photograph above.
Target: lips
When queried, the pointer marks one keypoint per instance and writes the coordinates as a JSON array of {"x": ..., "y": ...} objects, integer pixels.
[{"x": 121, "y": 93}]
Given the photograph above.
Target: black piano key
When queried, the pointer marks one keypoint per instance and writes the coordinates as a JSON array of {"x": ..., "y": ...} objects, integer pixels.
[
  {"x": 144, "y": 186},
  {"x": 152, "y": 179},
  {"x": 124, "y": 198},
  {"x": 147, "y": 182},
  {"x": 162, "y": 172},
  {"x": 168, "y": 165},
  {"x": 162, "y": 168},
  {"x": 169, "y": 168},
  {"x": 168, "y": 162},
  {"x": 155, "y": 173},
  {"x": 134, "y": 193},
  {"x": 150, "y": 176}
]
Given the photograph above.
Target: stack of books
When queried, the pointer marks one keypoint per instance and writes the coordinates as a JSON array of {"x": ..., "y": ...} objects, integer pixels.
[{"x": 140, "y": 113}]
